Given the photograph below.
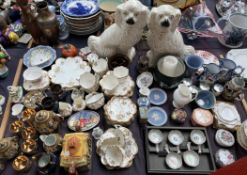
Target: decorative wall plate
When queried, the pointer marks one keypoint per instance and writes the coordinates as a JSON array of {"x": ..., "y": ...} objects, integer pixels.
[
  {"x": 224, "y": 138},
  {"x": 157, "y": 116},
  {"x": 32, "y": 98},
  {"x": 83, "y": 120},
  {"x": 80, "y": 8},
  {"x": 40, "y": 85},
  {"x": 120, "y": 110},
  {"x": 41, "y": 56},
  {"x": 157, "y": 96},
  {"x": 67, "y": 72},
  {"x": 119, "y": 141}
]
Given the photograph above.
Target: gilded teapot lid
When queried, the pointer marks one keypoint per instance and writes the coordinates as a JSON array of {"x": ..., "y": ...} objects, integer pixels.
[{"x": 43, "y": 116}]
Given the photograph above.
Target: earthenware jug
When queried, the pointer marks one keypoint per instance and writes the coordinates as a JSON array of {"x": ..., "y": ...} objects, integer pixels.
[
  {"x": 234, "y": 29},
  {"x": 8, "y": 148},
  {"x": 51, "y": 143},
  {"x": 182, "y": 96},
  {"x": 46, "y": 122}
]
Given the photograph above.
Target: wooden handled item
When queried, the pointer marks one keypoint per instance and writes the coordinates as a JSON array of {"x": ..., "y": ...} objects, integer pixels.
[
  {"x": 6, "y": 114},
  {"x": 244, "y": 103}
]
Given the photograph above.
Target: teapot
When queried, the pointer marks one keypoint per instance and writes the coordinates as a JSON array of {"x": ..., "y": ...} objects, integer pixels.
[
  {"x": 52, "y": 142},
  {"x": 46, "y": 122},
  {"x": 8, "y": 148},
  {"x": 182, "y": 96}
]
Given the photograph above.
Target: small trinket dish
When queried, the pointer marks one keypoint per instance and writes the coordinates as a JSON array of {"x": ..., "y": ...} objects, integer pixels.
[
  {"x": 191, "y": 158},
  {"x": 224, "y": 157},
  {"x": 202, "y": 117},
  {"x": 157, "y": 96},
  {"x": 83, "y": 120},
  {"x": 2, "y": 100},
  {"x": 224, "y": 138},
  {"x": 155, "y": 136},
  {"x": 143, "y": 101},
  {"x": 97, "y": 133},
  {"x": 198, "y": 138},
  {"x": 145, "y": 79},
  {"x": 17, "y": 109},
  {"x": 157, "y": 116},
  {"x": 144, "y": 91},
  {"x": 33, "y": 74},
  {"x": 179, "y": 116}
]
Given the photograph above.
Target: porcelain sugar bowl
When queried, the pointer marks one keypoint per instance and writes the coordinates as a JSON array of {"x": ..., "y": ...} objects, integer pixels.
[
  {"x": 8, "y": 148},
  {"x": 46, "y": 122}
]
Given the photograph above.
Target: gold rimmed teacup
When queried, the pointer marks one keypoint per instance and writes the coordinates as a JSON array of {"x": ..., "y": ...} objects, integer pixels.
[
  {"x": 21, "y": 163},
  {"x": 29, "y": 133},
  {"x": 29, "y": 146},
  {"x": 16, "y": 127}
]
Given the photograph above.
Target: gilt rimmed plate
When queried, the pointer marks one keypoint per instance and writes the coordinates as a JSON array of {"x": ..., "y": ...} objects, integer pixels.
[
  {"x": 83, "y": 120},
  {"x": 40, "y": 56},
  {"x": 157, "y": 116},
  {"x": 80, "y": 8}
]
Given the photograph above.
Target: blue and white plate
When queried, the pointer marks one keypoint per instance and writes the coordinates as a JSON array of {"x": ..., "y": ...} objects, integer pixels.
[
  {"x": 157, "y": 96},
  {"x": 80, "y": 8},
  {"x": 156, "y": 116},
  {"x": 40, "y": 56}
]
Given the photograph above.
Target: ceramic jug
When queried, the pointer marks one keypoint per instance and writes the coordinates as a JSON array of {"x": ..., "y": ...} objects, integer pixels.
[
  {"x": 234, "y": 29},
  {"x": 8, "y": 148},
  {"x": 46, "y": 122},
  {"x": 182, "y": 96}
]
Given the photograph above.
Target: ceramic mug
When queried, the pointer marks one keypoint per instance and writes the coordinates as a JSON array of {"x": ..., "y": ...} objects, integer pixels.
[
  {"x": 234, "y": 29},
  {"x": 210, "y": 74},
  {"x": 193, "y": 63}
]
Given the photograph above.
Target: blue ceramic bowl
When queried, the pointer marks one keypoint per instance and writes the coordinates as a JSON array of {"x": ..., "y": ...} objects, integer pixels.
[
  {"x": 205, "y": 99},
  {"x": 157, "y": 116},
  {"x": 193, "y": 62}
]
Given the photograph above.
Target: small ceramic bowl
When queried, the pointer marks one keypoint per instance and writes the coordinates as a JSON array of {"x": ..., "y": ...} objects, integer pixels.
[
  {"x": 157, "y": 96},
  {"x": 120, "y": 72},
  {"x": 145, "y": 79},
  {"x": 205, "y": 99},
  {"x": 33, "y": 74},
  {"x": 157, "y": 116}
]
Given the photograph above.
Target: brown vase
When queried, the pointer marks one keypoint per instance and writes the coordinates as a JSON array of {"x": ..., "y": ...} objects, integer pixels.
[{"x": 48, "y": 24}]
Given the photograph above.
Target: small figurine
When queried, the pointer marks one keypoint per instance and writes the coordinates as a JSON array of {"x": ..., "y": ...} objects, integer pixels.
[
  {"x": 163, "y": 37},
  {"x": 4, "y": 57},
  {"x": 120, "y": 37}
]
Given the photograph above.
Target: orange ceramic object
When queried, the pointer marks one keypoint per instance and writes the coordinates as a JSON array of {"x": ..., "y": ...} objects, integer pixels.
[
  {"x": 202, "y": 117},
  {"x": 69, "y": 50}
]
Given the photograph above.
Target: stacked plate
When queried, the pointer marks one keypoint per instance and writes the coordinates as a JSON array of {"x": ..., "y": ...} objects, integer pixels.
[
  {"x": 242, "y": 135},
  {"x": 82, "y": 16}
]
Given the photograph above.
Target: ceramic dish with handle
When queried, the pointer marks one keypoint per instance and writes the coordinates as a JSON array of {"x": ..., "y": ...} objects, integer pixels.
[
  {"x": 190, "y": 157},
  {"x": 173, "y": 160},
  {"x": 176, "y": 138},
  {"x": 40, "y": 56},
  {"x": 198, "y": 138},
  {"x": 155, "y": 136}
]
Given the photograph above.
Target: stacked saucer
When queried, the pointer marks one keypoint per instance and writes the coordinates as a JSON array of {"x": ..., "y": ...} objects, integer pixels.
[
  {"x": 242, "y": 135},
  {"x": 82, "y": 16}
]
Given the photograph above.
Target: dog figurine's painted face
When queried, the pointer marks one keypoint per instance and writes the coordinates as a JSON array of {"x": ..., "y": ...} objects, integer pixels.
[
  {"x": 131, "y": 13},
  {"x": 164, "y": 17}
]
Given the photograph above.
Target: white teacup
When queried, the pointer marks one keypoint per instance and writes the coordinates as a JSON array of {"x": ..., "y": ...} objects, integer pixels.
[
  {"x": 88, "y": 82},
  {"x": 100, "y": 67}
]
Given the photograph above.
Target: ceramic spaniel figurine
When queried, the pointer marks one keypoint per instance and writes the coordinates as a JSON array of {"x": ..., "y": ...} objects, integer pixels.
[
  {"x": 120, "y": 37},
  {"x": 163, "y": 37}
]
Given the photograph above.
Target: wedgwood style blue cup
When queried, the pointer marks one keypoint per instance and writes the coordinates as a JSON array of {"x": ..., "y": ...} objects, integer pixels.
[{"x": 193, "y": 63}]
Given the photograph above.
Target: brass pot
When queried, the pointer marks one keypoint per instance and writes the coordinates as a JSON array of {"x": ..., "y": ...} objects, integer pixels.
[
  {"x": 16, "y": 127},
  {"x": 29, "y": 146},
  {"x": 21, "y": 163}
]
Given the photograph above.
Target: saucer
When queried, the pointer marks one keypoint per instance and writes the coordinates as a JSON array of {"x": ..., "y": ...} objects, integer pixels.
[
  {"x": 156, "y": 116},
  {"x": 40, "y": 85},
  {"x": 157, "y": 96}
]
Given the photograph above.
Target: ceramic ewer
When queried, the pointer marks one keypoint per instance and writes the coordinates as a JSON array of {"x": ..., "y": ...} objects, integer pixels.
[
  {"x": 117, "y": 148},
  {"x": 120, "y": 110}
]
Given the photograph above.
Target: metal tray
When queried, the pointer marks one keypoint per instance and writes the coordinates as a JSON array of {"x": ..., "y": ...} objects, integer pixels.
[{"x": 156, "y": 162}]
